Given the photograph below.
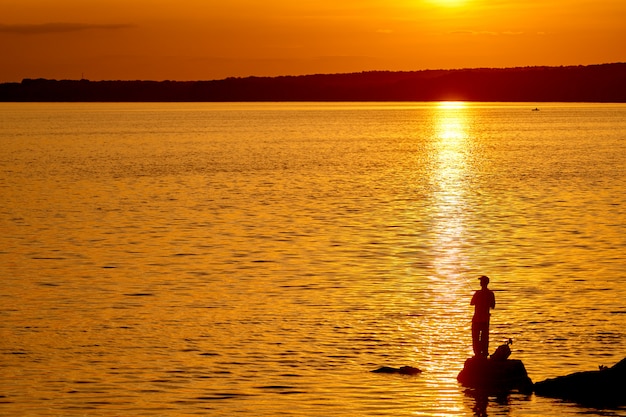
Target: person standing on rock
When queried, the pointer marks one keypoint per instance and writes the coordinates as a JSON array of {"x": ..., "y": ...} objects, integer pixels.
[{"x": 483, "y": 301}]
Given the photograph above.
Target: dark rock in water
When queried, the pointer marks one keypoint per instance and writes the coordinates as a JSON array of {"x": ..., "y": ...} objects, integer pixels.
[
  {"x": 605, "y": 387},
  {"x": 495, "y": 375},
  {"x": 403, "y": 370}
]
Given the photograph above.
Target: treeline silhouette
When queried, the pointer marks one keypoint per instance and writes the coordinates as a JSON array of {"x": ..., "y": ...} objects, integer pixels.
[{"x": 592, "y": 83}]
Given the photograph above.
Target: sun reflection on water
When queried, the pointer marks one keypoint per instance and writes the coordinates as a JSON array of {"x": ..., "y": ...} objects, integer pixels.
[{"x": 450, "y": 149}]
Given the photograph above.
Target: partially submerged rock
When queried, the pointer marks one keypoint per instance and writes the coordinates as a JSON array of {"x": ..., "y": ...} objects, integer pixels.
[
  {"x": 495, "y": 375},
  {"x": 403, "y": 370},
  {"x": 606, "y": 386}
]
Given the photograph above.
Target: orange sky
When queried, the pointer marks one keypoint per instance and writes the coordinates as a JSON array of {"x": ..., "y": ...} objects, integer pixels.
[{"x": 210, "y": 39}]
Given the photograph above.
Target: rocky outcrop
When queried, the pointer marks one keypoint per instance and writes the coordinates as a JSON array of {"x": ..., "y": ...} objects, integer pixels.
[
  {"x": 495, "y": 375},
  {"x": 403, "y": 370},
  {"x": 605, "y": 387}
]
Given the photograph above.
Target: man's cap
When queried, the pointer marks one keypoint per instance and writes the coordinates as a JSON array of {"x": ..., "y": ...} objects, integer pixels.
[{"x": 484, "y": 278}]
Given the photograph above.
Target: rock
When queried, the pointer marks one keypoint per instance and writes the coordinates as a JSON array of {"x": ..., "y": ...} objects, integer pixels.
[
  {"x": 605, "y": 387},
  {"x": 403, "y": 370},
  {"x": 495, "y": 375}
]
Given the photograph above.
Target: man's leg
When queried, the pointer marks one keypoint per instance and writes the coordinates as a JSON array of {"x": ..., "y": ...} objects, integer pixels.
[
  {"x": 484, "y": 339},
  {"x": 476, "y": 339}
]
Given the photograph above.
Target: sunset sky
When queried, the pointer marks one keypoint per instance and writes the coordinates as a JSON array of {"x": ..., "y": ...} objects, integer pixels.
[{"x": 209, "y": 39}]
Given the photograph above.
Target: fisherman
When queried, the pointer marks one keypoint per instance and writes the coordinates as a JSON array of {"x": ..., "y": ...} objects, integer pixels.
[{"x": 483, "y": 301}]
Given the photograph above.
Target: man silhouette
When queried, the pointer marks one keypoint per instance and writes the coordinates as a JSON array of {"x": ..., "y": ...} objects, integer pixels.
[{"x": 483, "y": 301}]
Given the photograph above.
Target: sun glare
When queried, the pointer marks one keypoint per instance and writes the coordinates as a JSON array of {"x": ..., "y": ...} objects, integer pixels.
[
  {"x": 451, "y": 105},
  {"x": 448, "y": 3}
]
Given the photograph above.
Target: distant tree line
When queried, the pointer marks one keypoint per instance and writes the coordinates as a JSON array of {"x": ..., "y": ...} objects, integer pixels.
[{"x": 592, "y": 83}]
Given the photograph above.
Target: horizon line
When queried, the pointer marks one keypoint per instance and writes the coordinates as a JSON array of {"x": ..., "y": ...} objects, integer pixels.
[{"x": 318, "y": 74}]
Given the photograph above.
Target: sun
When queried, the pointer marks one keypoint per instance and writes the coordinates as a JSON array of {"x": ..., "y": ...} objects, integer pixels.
[{"x": 448, "y": 3}]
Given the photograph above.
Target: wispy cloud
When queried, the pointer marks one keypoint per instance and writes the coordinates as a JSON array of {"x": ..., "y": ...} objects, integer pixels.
[
  {"x": 48, "y": 28},
  {"x": 474, "y": 32},
  {"x": 486, "y": 33}
]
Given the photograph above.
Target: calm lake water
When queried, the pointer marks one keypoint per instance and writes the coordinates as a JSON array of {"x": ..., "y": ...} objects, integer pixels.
[{"x": 221, "y": 259}]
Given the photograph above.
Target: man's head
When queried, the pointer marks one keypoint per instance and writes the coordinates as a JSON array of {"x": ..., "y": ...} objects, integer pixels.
[{"x": 484, "y": 281}]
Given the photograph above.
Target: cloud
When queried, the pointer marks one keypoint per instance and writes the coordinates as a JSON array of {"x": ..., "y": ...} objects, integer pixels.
[
  {"x": 474, "y": 32},
  {"x": 48, "y": 28},
  {"x": 486, "y": 33}
]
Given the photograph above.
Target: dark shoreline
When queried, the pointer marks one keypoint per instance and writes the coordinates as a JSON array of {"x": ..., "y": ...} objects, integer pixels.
[{"x": 604, "y": 83}]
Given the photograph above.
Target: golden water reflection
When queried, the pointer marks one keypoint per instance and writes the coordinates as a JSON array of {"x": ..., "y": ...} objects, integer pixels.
[
  {"x": 450, "y": 153},
  {"x": 178, "y": 258},
  {"x": 450, "y": 145}
]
